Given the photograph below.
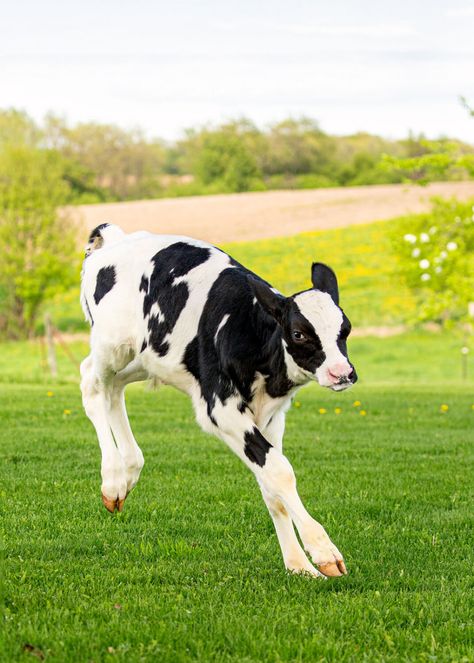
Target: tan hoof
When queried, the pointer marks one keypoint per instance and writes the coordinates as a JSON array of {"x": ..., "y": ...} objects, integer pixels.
[
  {"x": 341, "y": 566},
  {"x": 333, "y": 569},
  {"x": 109, "y": 504}
]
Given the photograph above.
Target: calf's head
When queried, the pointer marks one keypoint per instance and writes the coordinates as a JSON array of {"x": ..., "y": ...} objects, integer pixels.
[{"x": 314, "y": 329}]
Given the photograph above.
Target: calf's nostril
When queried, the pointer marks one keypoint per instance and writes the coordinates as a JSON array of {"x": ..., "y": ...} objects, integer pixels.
[{"x": 340, "y": 372}]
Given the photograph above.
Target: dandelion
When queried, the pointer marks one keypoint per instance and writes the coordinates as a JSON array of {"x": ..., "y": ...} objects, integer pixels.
[
  {"x": 337, "y": 410},
  {"x": 464, "y": 350},
  {"x": 297, "y": 404},
  {"x": 410, "y": 238},
  {"x": 356, "y": 403},
  {"x": 443, "y": 255},
  {"x": 424, "y": 237},
  {"x": 443, "y": 407},
  {"x": 67, "y": 412},
  {"x": 49, "y": 394},
  {"x": 424, "y": 264},
  {"x": 322, "y": 410},
  {"x": 451, "y": 246},
  {"x": 416, "y": 252},
  {"x": 472, "y": 406},
  {"x": 432, "y": 230},
  {"x": 438, "y": 269},
  {"x": 362, "y": 413},
  {"x": 425, "y": 277}
]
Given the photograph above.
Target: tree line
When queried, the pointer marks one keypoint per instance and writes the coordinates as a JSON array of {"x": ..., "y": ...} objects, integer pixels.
[{"x": 102, "y": 162}]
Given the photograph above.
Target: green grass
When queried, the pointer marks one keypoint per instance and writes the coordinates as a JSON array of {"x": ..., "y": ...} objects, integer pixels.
[
  {"x": 362, "y": 256},
  {"x": 191, "y": 570}
]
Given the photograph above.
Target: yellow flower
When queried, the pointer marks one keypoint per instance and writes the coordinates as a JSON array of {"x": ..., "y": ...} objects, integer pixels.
[
  {"x": 472, "y": 406},
  {"x": 322, "y": 410},
  {"x": 356, "y": 403},
  {"x": 362, "y": 413},
  {"x": 297, "y": 404},
  {"x": 337, "y": 410},
  {"x": 444, "y": 407},
  {"x": 67, "y": 412},
  {"x": 49, "y": 393}
]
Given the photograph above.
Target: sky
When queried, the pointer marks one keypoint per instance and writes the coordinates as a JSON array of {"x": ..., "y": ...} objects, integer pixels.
[{"x": 376, "y": 66}]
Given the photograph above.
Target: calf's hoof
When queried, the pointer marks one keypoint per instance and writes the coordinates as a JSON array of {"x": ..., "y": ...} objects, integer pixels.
[
  {"x": 333, "y": 569},
  {"x": 112, "y": 505}
]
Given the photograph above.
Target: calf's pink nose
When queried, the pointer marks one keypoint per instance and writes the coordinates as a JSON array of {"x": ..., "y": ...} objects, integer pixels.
[{"x": 338, "y": 371}]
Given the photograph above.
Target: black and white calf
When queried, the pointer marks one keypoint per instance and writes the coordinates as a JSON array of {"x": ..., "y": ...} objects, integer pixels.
[{"x": 183, "y": 312}]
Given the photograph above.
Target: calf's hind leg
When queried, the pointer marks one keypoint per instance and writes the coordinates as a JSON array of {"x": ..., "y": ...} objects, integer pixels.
[{"x": 120, "y": 425}]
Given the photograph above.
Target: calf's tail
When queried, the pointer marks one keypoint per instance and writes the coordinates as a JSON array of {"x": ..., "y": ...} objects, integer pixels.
[{"x": 105, "y": 234}]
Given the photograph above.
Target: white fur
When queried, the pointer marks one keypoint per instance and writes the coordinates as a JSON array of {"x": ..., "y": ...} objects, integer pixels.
[
  {"x": 220, "y": 325},
  {"x": 320, "y": 310}
]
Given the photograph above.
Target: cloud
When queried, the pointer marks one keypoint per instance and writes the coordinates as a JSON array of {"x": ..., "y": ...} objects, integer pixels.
[
  {"x": 461, "y": 12},
  {"x": 377, "y": 31}
]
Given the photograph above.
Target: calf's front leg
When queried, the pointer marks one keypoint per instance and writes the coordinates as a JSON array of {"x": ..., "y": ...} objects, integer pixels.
[
  {"x": 293, "y": 554},
  {"x": 277, "y": 479}
]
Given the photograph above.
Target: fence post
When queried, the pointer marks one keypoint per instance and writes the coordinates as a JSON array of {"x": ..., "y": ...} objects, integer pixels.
[{"x": 48, "y": 330}]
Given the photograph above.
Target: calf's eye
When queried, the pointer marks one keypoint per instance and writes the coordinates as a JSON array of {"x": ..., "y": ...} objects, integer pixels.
[{"x": 298, "y": 336}]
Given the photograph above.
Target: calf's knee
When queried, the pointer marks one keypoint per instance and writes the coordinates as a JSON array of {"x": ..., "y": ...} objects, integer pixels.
[{"x": 278, "y": 476}]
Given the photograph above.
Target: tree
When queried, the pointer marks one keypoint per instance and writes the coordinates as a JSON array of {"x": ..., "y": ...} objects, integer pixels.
[
  {"x": 298, "y": 147},
  {"x": 37, "y": 245},
  {"x": 17, "y": 128},
  {"x": 436, "y": 259},
  {"x": 120, "y": 163},
  {"x": 224, "y": 158}
]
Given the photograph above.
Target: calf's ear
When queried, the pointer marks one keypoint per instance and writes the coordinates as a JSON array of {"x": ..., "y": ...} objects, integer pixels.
[
  {"x": 324, "y": 279},
  {"x": 272, "y": 302}
]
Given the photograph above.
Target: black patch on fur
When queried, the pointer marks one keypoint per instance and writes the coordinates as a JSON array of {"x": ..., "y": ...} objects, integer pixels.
[
  {"x": 309, "y": 354},
  {"x": 170, "y": 263},
  {"x": 342, "y": 344},
  {"x": 106, "y": 279},
  {"x": 144, "y": 283},
  {"x": 96, "y": 232},
  {"x": 256, "y": 447},
  {"x": 324, "y": 279},
  {"x": 191, "y": 357},
  {"x": 242, "y": 406},
  {"x": 144, "y": 346}
]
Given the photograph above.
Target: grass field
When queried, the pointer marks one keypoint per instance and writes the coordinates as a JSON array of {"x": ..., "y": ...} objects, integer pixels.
[{"x": 191, "y": 570}]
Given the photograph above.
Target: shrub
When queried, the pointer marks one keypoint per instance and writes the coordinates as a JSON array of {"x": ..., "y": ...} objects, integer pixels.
[{"x": 435, "y": 254}]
